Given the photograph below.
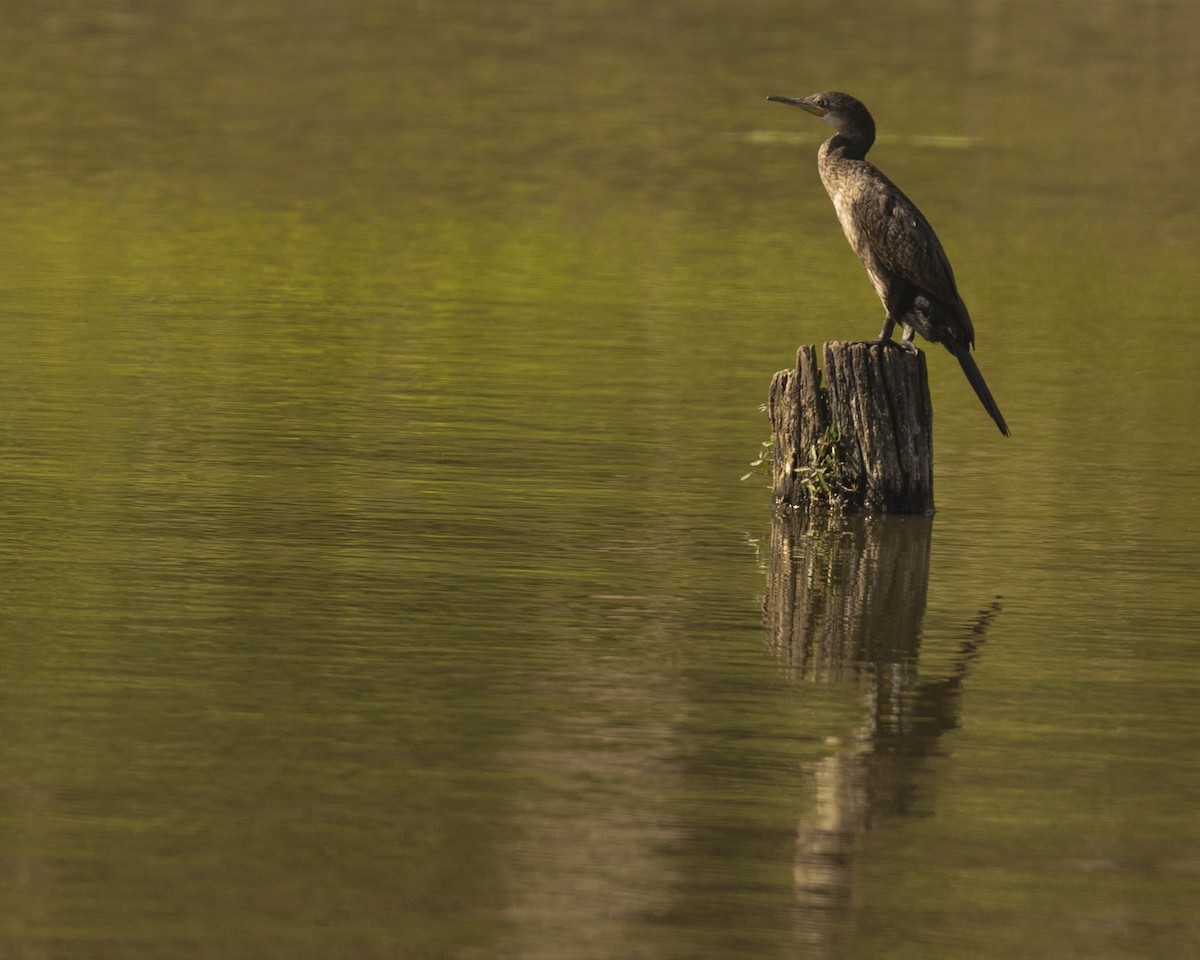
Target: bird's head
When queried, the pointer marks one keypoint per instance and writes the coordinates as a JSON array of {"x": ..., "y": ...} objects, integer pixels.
[{"x": 841, "y": 111}]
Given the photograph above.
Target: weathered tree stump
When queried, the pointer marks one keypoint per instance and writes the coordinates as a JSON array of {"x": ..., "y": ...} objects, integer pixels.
[{"x": 862, "y": 442}]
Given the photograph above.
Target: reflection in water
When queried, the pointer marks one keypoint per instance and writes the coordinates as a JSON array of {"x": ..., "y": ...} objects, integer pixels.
[
  {"x": 844, "y": 605},
  {"x": 842, "y": 597}
]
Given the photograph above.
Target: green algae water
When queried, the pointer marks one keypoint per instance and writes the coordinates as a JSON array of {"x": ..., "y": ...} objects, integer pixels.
[{"x": 377, "y": 580}]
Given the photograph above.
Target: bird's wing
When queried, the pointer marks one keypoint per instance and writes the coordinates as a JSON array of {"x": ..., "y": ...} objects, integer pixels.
[{"x": 901, "y": 237}]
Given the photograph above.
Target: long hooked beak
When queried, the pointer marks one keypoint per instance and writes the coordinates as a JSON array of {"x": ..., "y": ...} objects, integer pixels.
[{"x": 802, "y": 103}]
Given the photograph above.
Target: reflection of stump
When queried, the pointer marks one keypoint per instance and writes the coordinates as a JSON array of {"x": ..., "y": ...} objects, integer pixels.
[
  {"x": 844, "y": 606},
  {"x": 847, "y": 598},
  {"x": 874, "y": 419}
]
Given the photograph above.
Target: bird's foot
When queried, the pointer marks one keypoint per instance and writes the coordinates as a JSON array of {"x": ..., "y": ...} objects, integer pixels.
[
  {"x": 906, "y": 340},
  {"x": 906, "y": 345}
]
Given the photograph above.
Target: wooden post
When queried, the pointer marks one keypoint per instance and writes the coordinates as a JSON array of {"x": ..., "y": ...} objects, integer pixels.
[{"x": 862, "y": 442}]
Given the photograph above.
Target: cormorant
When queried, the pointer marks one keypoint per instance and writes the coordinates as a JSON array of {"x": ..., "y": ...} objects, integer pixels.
[{"x": 897, "y": 246}]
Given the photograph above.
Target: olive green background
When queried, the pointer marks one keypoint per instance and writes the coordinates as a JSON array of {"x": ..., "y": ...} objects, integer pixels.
[{"x": 375, "y": 381}]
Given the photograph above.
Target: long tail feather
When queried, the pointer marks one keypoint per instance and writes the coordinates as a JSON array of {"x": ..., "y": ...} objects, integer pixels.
[{"x": 963, "y": 354}]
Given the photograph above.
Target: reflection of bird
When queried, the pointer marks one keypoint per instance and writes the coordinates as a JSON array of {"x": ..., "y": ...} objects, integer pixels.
[{"x": 892, "y": 238}]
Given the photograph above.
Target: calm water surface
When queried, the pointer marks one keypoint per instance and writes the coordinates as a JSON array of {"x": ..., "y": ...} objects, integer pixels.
[{"x": 377, "y": 578}]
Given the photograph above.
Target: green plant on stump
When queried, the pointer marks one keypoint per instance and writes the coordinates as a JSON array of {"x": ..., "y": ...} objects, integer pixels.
[
  {"x": 766, "y": 455},
  {"x": 762, "y": 465},
  {"x": 821, "y": 477}
]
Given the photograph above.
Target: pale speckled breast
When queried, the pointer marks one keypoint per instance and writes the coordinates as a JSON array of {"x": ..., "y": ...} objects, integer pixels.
[{"x": 842, "y": 206}]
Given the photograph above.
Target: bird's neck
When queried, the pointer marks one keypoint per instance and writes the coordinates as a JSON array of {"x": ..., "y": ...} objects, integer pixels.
[{"x": 849, "y": 146}]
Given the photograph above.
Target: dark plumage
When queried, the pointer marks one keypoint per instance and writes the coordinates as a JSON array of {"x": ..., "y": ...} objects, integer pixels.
[{"x": 897, "y": 246}]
